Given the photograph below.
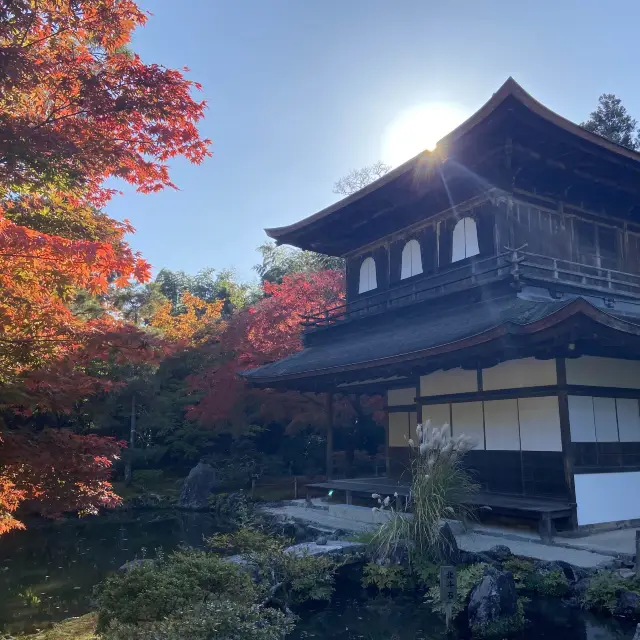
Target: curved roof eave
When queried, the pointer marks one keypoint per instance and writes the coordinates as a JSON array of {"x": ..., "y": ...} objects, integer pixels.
[{"x": 509, "y": 89}]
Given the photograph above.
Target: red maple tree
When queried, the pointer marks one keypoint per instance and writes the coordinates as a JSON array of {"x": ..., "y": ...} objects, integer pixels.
[
  {"x": 76, "y": 108},
  {"x": 266, "y": 332}
]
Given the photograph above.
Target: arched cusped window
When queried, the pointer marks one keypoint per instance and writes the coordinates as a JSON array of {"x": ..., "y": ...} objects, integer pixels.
[
  {"x": 411, "y": 260},
  {"x": 368, "y": 280},
  {"x": 465, "y": 240}
]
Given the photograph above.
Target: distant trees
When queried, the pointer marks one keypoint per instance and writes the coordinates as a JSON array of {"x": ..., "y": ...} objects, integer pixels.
[
  {"x": 357, "y": 179},
  {"x": 612, "y": 120},
  {"x": 278, "y": 262}
]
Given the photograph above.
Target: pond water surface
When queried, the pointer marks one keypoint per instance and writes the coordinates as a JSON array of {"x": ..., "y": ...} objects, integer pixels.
[{"x": 48, "y": 573}]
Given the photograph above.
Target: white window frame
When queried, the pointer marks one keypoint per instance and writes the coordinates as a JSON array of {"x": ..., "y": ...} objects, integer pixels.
[
  {"x": 464, "y": 239},
  {"x": 368, "y": 280},
  {"x": 411, "y": 260}
]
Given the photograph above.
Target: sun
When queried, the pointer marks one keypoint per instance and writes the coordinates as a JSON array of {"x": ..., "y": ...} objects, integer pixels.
[{"x": 419, "y": 128}]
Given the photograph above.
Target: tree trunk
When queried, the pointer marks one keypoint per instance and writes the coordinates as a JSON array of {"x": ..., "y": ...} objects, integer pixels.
[{"x": 128, "y": 471}]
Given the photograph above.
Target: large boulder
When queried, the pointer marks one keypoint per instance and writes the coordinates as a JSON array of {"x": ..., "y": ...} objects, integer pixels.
[
  {"x": 499, "y": 552},
  {"x": 449, "y": 551},
  {"x": 572, "y": 574},
  {"x": 197, "y": 487},
  {"x": 493, "y": 600},
  {"x": 628, "y": 604}
]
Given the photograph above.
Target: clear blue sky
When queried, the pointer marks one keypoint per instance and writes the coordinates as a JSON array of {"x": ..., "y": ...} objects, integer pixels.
[{"x": 302, "y": 91}]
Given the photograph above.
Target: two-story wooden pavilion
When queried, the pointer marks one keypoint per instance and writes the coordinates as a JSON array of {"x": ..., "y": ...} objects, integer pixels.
[{"x": 494, "y": 284}]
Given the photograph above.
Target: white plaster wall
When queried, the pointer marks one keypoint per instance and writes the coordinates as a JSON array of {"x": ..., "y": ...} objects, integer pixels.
[
  {"x": 515, "y": 374},
  {"x": 539, "y": 424},
  {"x": 441, "y": 383},
  {"x": 437, "y": 413},
  {"x": 607, "y": 497},
  {"x": 501, "y": 425},
  {"x": 468, "y": 418},
  {"x": 603, "y": 372},
  {"x": 628, "y": 419},
  {"x": 398, "y": 429},
  {"x": 581, "y": 419},
  {"x": 604, "y": 413},
  {"x": 398, "y": 397}
]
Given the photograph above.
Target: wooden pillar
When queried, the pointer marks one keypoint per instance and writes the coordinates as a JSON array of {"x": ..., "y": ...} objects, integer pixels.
[
  {"x": 565, "y": 432},
  {"x": 329, "y": 418}
]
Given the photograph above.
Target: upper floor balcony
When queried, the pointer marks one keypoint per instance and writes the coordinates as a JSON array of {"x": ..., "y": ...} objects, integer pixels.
[{"x": 517, "y": 265}]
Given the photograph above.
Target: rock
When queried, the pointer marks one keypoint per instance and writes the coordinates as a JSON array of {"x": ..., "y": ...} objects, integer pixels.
[
  {"x": 333, "y": 548},
  {"x": 471, "y": 557},
  {"x": 246, "y": 565},
  {"x": 321, "y": 540},
  {"x": 500, "y": 552},
  {"x": 626, "y": 573},
  {"x": 134, "y": 564},
  {"x": 493, "y": 599},
  {"x": 580, "y": 588},
  {"x": 197, "y": 487},
  {"x": 450, "y": 553},
  {"x": 572, "y": 574},
  {"x": 628, "y": 604}
]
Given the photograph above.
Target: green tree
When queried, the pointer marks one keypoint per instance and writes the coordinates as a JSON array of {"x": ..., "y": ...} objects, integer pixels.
[
  {"x": 612, "y": 120},
  {"x": 278, "y": 262}
]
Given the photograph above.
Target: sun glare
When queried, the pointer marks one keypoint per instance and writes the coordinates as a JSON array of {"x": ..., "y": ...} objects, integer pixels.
[{"x": 418, "y": 129}]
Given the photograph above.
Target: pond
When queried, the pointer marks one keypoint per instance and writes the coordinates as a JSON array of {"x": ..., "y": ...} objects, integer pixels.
[{"x": 48, "y": 573}]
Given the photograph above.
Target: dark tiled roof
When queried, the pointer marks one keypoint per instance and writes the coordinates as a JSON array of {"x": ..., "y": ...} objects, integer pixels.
[{"x": 403, "y": 335}]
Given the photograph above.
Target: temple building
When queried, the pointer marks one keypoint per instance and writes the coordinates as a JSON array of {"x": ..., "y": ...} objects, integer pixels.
[{"x": 494, "y": 284}]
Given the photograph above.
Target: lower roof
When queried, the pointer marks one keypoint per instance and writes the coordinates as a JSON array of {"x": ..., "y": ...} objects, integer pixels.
[{"x": 420, "y": 337}]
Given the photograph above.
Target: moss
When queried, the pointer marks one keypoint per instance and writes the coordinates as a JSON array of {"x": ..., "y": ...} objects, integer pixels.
[
  {"x": 74, "y": 629},
  {"x": 502, "y": 627}
]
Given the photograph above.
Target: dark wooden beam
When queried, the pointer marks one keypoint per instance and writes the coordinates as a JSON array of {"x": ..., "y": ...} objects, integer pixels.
[{"x": 565, "y": 431}]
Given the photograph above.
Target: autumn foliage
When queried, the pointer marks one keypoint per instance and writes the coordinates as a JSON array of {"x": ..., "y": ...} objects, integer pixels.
[
  {"x": 76, "y": 108},
  {"x": 263, "y": 333}
]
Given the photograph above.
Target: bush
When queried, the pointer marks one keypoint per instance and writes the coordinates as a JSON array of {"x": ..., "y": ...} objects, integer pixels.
[
  {"x": 213, "y": 620},
  {"x": 384, "y": 577},
  {"x": 440, "y": 489},
  {"x": 550, "y": 583},
  {"x": 147, "y": 476},
  {"x": 604, "y": 589},
  {"x": 246, "y": 540},
  {"x": 151, "y": 592},
  {"x": 468, "y": 578}
]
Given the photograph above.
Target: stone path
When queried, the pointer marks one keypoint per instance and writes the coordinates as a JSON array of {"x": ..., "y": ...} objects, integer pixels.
[{"x": 355, "y": 519}]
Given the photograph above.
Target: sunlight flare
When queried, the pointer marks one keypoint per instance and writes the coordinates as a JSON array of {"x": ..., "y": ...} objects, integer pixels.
[{"x": 419, "y": 128}]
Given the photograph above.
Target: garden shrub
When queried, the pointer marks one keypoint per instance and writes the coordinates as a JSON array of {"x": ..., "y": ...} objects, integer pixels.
[
  {"x": 604, "y": 589},
  {"x": 384, "y": 577},
  {"x": 246, "y": 540},
  {"x": 549, "y": 583},
  {"x": 154, "y": 591},
  {"x": 214, "y": 620},
  {"x": 468, "y": 578}
]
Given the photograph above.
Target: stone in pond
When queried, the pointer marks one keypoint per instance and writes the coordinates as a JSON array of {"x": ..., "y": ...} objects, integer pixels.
[
  {"x": 494, "y": 598},
  {"x": 499, "y": 552},
  {"x": 197, "y": 487},
  {"x": 628, "y": 604}
]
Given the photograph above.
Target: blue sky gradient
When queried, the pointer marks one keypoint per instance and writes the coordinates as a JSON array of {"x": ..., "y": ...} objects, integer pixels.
[{"x": 302, "y": 91}]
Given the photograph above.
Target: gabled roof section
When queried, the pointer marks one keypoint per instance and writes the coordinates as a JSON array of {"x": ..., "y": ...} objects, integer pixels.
[
  {"x": 512, "y": 89},
  {"x": 304, "y": 232}
]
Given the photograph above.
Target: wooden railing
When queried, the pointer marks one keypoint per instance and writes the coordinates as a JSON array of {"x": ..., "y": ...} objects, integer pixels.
[{"x": 517, "y": 264}]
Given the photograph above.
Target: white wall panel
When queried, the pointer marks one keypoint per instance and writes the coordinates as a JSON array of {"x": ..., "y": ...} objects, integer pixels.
[
  {"x": 604, "y": 413},
  {"x": 397, "y": 397},
  {"x": 399, "y": 429},
  {"x": 539, "y": 424},
  {"x": 628, "y": 419},
  {"x": 603, "y": 372},
  {"x": 468, "y": 418},
  {"x": 501, "y": 424},
  {"x": 607, "y": 497},
  {"x": 515, "y": 374},
  {"x": 441, "y": 383},
  {"x": 437, "y": 413},
  {"x": 581, "y": 419}
]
